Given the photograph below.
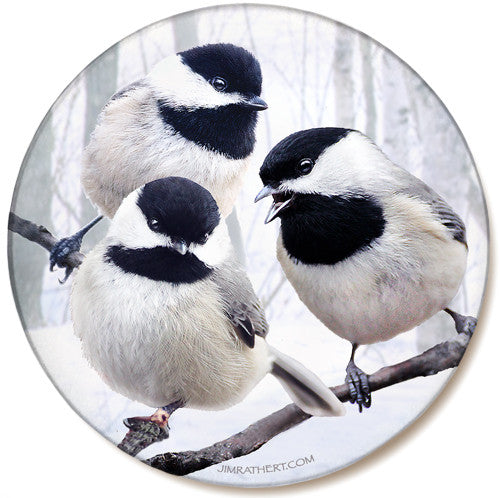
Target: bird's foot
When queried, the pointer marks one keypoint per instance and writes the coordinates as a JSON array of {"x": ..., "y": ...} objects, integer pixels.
[
  {"x": 463, "y": 324},
  {"x": 61, "y": 251},
  {"x": 359, "y": 389},
  {"x": 68, "y": 245},
  {"x": 467, "y": 325},
  {"x": 159, "y": 418}
]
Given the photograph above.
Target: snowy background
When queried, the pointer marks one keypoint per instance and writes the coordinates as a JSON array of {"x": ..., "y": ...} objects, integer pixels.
[{"x": 316, "y": 73}]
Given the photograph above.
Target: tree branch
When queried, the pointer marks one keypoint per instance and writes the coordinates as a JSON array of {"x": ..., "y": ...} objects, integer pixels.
[
  {"x": 143, "y": 432},
  {"x": 41, "y": 236},
  {"x": 441, "y": 357}
]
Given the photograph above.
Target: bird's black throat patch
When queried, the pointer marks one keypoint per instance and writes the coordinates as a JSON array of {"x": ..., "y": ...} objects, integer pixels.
[
  {"x": 158, "y": 263},
  {"x": 228, "y": 130},
  {"x": 318, "y": 229}
]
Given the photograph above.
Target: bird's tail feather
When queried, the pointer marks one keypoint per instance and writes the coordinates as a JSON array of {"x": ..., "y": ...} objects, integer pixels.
[{"x": 304, "y": 387}]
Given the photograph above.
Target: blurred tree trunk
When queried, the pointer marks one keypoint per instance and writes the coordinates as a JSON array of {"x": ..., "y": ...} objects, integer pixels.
[
  {"x": 343, "y": 80},
  {"x": 185, "y": 29},
  {"x": 100, "y": 84},
  {"x": 366, "y": 49},
  {"x": 33, "y": 201}
]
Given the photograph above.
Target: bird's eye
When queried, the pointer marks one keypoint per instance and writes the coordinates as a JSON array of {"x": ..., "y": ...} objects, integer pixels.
[
  {"x": 305, "y": 166},
  {"x": 154, "y": 224},
  {"x": 220, "y": 84}
]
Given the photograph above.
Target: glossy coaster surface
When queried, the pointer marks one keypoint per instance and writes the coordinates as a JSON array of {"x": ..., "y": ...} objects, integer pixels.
[{"x": 315, "y": 73}]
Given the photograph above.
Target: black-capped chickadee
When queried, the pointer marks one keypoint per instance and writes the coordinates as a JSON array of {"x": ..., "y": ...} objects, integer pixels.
[
  {"x": 193, "y": 115},
  {"x": 370, "y": 249},
  {"x": 168, "y": 317}
]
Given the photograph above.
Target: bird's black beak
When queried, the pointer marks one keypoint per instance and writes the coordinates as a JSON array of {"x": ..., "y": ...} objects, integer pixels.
[
  {"x": 280, "y": 201},
  {"x": 267, "y": 190},
  {"x": 255, "y": 103},
  {"x": 180, "y": 246}
]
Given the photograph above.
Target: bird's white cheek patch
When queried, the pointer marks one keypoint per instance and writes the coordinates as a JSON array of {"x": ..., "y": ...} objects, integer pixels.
[
  {"x": 179, "y": 86},
  {"x": 120, "y": 340},
  {"x": 130, "y": 227},
  {"x": 216, "y": 249}
]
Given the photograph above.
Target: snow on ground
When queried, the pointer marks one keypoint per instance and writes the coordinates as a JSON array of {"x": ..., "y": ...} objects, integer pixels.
[{"x": 333, "y": 442}]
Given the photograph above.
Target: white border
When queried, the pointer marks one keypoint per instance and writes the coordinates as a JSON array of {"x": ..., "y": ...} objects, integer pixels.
[{"x": 47, "y": 448}]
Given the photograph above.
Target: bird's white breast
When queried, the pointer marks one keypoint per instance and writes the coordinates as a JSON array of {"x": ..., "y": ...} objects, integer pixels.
[
  {"x": 132, "y": 146},
  {"x": 407, "y": 275},
  {"x": 157, "y": 343}
]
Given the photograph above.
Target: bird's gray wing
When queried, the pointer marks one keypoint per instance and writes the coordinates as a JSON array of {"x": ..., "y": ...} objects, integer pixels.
[
  {"x": 439, "y": 207},
  {"x": 241, "y": 305},
  {"x": 450, "y": 219}
]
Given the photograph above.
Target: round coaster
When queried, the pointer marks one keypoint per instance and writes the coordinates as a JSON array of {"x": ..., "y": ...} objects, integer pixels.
[{"x": 179, "y": 331}]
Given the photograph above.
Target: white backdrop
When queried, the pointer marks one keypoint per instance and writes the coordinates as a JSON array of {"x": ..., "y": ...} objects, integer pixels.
[{"x": 452, "y": 58}]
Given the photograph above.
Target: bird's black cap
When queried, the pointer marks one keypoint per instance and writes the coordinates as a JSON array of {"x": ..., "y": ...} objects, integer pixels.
[
  {"x": 180, "y": 207},
  {"x": 283, "y": 160},
  {"x": 236, "y": 65}
]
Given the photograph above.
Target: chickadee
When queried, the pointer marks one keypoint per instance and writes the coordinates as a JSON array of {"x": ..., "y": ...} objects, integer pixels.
[
  {"x": 370, "y": 249},
  {"x": 193, "y": 115},
  {"x": 167, "y": 316}
]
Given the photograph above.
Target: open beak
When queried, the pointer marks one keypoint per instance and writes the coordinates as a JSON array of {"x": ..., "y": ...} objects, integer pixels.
[
  {"x": 255, "y": 103},
  {"x": 280, "y": 201},
  {"x": 276, "y": 207}
]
